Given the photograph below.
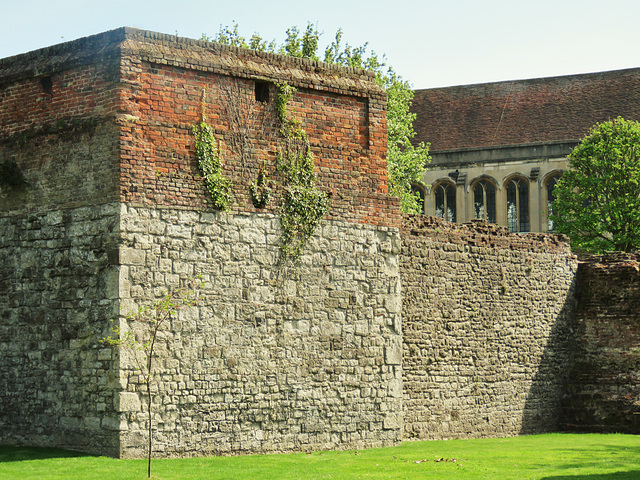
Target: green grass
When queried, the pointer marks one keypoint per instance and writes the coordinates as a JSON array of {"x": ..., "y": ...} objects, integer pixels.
[{"x": 540, "y": 457}]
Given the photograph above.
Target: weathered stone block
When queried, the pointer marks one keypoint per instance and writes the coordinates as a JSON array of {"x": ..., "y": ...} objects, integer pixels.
[
  {"x": 393, "y": 354},
  {"x": 128, "y": 402}
]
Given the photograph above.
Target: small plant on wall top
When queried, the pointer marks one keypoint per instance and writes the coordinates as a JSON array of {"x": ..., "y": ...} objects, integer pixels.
[
  {"x": 303, "y": 203},
  {"x": 210, "y": 162}
]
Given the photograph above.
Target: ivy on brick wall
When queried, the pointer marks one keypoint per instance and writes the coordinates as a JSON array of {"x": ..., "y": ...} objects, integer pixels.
[
  {"x": 303, "y": 203},
  {"x": 261, "y": 190},
  {"x": 210, "y": 162}
]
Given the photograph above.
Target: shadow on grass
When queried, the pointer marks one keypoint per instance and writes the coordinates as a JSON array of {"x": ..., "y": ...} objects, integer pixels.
[
  {"x": 633, "y": 475},
  {"x": 21, "y": 454}
]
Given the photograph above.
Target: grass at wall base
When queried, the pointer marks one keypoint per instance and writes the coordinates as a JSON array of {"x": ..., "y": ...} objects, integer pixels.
[{"x": 535, "y": 457}]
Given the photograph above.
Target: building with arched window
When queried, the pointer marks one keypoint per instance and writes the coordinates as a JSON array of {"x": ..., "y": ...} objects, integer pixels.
[{"x": 498, "y": 149}]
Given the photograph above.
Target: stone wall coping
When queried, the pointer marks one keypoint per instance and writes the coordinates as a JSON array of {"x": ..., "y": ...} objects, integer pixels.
[{"x": 197, "y": 54}]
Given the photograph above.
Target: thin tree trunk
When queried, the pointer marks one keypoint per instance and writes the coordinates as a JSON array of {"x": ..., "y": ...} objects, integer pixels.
[{"x": 150, "y": 429}]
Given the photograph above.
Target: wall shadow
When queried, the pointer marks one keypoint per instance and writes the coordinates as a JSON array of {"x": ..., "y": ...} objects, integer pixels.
[
  {"x": 21, "y": 454},
  {"x": 632, "y": 475},
  {"x": 546, "y": 398},
  {"x": 604, "y": 380}
]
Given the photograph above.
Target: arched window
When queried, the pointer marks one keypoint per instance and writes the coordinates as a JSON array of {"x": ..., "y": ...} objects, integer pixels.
[
  {"x": 518, "y": 204},
  {"x": 551, "y": 185},
  {"x": 484, "y": 201},
  {"x": 445, "y": 201},
  {"x": 419, "y": 190}
]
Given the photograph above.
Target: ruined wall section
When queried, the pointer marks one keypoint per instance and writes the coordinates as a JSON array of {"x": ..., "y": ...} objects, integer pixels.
[
  {"x": 604, "y": 393},
  {"x": 274, "y": 360},
  {"x": 108, "y": 210},
  {"x": 486, "y": 329}
]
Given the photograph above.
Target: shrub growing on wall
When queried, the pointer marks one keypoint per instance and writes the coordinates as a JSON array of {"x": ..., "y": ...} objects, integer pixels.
[
  {"x": 303, "y": 203},
  {"x": 210, "y": 163}
]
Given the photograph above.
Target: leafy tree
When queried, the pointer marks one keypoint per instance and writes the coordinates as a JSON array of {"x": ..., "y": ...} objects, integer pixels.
[
  {"x": 598, "y": 200},
  {"x": 405, "y": 162}
]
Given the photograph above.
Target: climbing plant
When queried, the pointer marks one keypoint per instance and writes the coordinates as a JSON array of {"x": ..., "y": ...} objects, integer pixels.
[
  {"x": 303, "y": 203},
  {"x": 210, "y": 162},
  {"x": 261, "y": 189}
]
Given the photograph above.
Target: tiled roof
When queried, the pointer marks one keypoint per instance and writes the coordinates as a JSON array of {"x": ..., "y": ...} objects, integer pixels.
[{"x": 524, "y": 111}]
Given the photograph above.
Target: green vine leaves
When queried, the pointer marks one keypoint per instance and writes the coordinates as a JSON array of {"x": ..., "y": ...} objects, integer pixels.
[
  {"x": 261, "y": 189},
  {"x": 303, "y": 203},
  {"x": 210, "y": 163}
]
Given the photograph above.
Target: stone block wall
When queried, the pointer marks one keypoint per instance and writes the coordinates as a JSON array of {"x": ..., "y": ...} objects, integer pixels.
[
  {"x": 58, "y": 291},
  {"x": 267, "y": 362},
  {"x": 604, "y": 393},
  {"x": 487, "y": 327}
]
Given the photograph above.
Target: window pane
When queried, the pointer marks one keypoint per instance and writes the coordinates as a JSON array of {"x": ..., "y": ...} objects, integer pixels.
[
  {"x": 518, "y": 205},
  {"x": 523, "y": 191},
  {"x": 478, "y": 201},
  {"x": 439, "y": 201},
  {"x": 491, "y": 202},
  {"x": 551, "y": 185},
  {"x": 445, "y": 197},
  {"x": 484, "y": 201},
  {"x": 451, "y": 203},
  {"x": 512, "y": 207}
]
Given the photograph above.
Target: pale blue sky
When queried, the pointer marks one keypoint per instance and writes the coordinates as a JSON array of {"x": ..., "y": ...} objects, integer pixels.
[{"x": 430, "y": 43}]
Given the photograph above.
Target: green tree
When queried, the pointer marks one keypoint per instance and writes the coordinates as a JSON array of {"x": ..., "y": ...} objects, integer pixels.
[
  {"x": 406, "y": 162},
  {"x": 597, "y": 200}
]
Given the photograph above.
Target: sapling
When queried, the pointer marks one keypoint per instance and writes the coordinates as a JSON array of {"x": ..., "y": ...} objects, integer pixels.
[{"x": 143, "y": 345}]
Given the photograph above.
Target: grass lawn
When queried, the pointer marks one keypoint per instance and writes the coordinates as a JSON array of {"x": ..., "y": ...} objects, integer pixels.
[{"x": 548, "y": 457}]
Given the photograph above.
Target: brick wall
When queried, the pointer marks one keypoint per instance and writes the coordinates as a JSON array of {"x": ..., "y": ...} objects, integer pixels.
[
  {"x": 604, "y": 395},
  {"x": 58, "y": 128},
  {"x": 164, "y": 81},
  {"x": 487, "y": 321}
]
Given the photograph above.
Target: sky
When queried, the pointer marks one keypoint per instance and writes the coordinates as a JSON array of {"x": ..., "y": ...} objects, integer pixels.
[{"x": 429, "y": 43}]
